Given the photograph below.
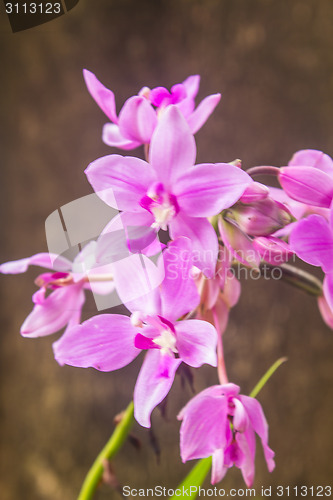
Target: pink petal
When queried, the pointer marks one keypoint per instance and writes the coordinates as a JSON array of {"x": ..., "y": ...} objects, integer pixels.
[
  {"x": 48, "y": 260},
  {"x": 247, "y": 444},
  {"x": 137, "y": 280},
  {"x": 240, "y": 420},
  {"x": 120, "y": 181},
  {"x": 255, "y": 192},
  {"x": 153, "y": 384},
  {"x": 112, "y": 136},
  {"x": 312, "y": 240},
  {"x": 178, "y": 292},
  {"x": 186, "y": 106},
  {"x": 191, "y": 85},
  {"x": 205, "y": 190},
  {"x": 128, "y": 232},
  {"x": 203, "y": 426},
  {"x": 203, "y": 111},
  {"x": 172, "y": 149},
  {"x": 231, "y": 290},
  {"x": 328, "y": 290},
  {"x": 312, "y": 158},
  {"x": 259, "y": 424},
  {"x": 53, "y": 313},
  {"x": 273, "y": 250},
  {"x": 196, "y": 342},
  {"x": 104, "y": 342},
  {"x": 325, "y": 311},
  {"x": 203, "y": 238},
  {"x": 218, "y": 469},
  {"x": 137, "y": 120},
  {"x": 103, "y": 96},
  {"x": 308, "y": 185},
  {"x": 239, "y": 244}
]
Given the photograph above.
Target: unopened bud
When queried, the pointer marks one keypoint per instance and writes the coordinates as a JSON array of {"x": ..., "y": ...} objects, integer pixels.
[{"x": 261, "y": 218}]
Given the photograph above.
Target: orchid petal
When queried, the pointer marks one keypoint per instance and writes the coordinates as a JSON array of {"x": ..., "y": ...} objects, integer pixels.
[
  {"x": 137, "y": 120},
  {"x": 196, "y": 342},
  {"x": 103, "y": 96},
  {"x": 308, "y": 185},
  {"x": 247, "y": 445},
  {"x": 260, "y": 426},
  {"x": 120, "y": 181},
  {"x": 191, "y": 85},
  {"x": 203, "y": 426},
  {"x": 312, "y": 240},
  {"x": 203, "y": 238},
  {"x": 178, "y": 292},
  {"x": 128, "y": 232},
  {"x": 137, "y": 280},
  {"x": 104, "y": 342},
  {"x": 172, "y": 149},
  {"x": 48, "y": 260},
  {"x": 203, "y": 111},
  {"x": 153, "y": 384},
  {"x": 312, "y": 158},
  {"x": 218, "y": 469},
  {"x": 53, "y": 312},
  {"x": 328, "y": 290},
  {"x": 112, "y": 136},
  {"x": 239, "y": 244},
  {"x": 206, "y": 189}
]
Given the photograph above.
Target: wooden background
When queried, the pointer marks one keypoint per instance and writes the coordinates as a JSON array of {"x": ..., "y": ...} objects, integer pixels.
[{"x": 273, "y": 63}]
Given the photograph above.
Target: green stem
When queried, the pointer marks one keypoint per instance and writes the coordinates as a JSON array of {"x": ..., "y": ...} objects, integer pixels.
[
  {"x": 109, "y": 451},
  {"x": 264, "y": 379}
]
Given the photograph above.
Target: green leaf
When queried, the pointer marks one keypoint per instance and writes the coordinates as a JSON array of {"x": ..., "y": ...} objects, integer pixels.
[{"x": 194, "y": 479}]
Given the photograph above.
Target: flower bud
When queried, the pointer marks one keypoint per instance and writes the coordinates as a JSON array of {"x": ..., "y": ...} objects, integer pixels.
[
  {"x": 254, "y": 192},
  {"x": 261, "y": 218}
]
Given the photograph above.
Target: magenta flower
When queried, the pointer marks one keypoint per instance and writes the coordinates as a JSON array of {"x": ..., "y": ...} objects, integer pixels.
[
  {"x": 308, "y": 178},
  {"x": 66, "y": 282},
  {"x": 170, "y": 191},
  {"x": 139, "y": 116},
  {"x": 219, "y": 422},
  {"x": 111, "y": 341}
]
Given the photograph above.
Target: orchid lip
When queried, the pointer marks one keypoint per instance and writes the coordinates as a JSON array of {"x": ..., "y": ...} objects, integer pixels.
[{"x": 161, "y": 204}]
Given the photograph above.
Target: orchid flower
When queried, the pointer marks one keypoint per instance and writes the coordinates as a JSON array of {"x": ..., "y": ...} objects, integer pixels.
[
  {"x": 219, "y": 422},
  {"x": 66, "y": 282},
  {"x": 111, "y": 341},
  {"x": 170, "y": 192},
  {"x": 140, "y": 114}
]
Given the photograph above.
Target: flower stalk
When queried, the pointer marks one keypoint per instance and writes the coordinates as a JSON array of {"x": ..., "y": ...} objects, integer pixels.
[{"x": 111, "y": 448}]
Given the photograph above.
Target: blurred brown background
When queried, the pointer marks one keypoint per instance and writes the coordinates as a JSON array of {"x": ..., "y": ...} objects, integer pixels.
[{"x": 273, "y": 63}]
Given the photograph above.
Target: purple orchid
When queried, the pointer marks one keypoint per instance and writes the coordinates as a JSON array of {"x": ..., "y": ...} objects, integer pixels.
[
  {"x": 140, "y": 114},
  {"x": 111, "y": 341},
  {"x": 66, "y": 282},
  {"x": 170, "y": 191},
  {"x": 219, "y": 422}
]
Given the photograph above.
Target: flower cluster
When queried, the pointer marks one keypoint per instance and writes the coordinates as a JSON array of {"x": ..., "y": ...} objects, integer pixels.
[{"x": 179, "y": 294}]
